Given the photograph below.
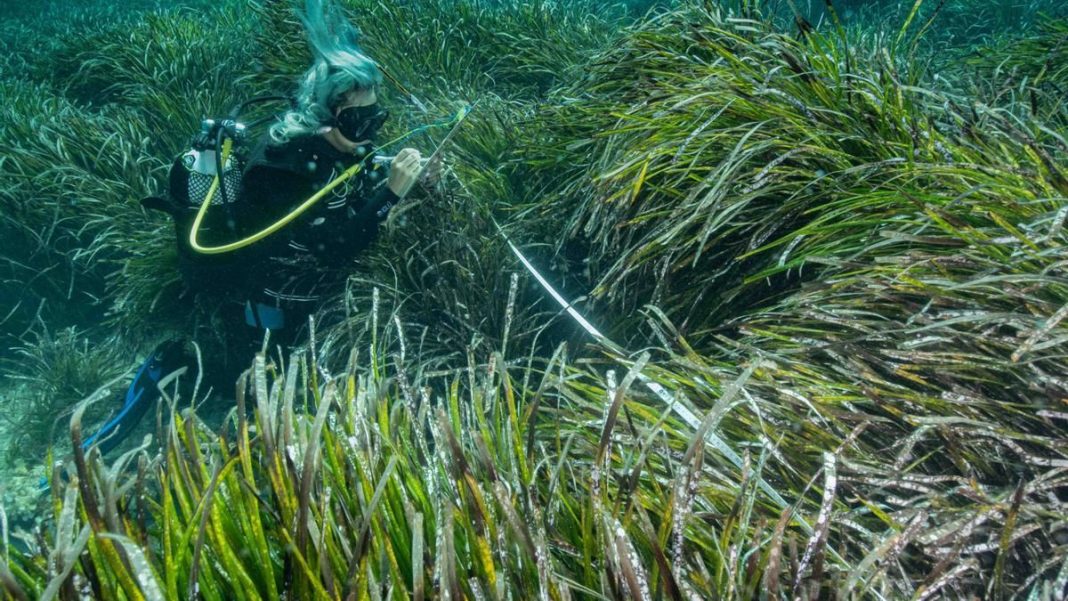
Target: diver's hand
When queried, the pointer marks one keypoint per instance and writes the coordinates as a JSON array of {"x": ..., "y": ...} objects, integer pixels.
[
  {"x": 431, "y": 176},
  {"x": 404, "y": 171}
]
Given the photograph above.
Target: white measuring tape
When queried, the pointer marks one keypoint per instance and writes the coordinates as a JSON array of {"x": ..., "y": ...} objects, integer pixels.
[{"x": 684, "y": 412}]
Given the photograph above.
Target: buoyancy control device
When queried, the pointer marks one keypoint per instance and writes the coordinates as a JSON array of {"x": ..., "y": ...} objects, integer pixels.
[{"x": 221, "y": 146}]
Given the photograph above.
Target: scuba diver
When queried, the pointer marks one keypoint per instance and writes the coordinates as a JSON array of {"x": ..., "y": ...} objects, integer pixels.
[
  {"x": 272, "y": 235},
  {"x": 332, "y": 128}
]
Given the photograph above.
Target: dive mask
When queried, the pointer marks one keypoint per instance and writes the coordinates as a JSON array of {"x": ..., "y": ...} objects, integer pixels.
[{"x": 361, "y": 122}]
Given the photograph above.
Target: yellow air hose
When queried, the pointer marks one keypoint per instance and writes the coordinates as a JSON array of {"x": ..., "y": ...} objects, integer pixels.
[{"x": 304, "y": 206}]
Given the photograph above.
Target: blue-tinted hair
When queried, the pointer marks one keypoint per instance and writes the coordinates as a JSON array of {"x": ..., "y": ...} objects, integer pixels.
[{"x": 339, "y": 65}]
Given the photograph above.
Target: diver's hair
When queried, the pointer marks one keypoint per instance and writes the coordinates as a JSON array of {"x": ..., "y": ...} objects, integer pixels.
[{"x": 339, "y": 65}]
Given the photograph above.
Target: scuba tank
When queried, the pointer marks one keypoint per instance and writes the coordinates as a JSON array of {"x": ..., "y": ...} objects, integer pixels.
[
  {"x": 201, "y": 164},
  {"x": 190, "y": 179},
  {"x": 193, "y": 172}
]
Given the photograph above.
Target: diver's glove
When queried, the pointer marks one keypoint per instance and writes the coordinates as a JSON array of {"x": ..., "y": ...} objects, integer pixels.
[
  {"x": 431, "y": 176},
  {"x": 404, "y": 171}
]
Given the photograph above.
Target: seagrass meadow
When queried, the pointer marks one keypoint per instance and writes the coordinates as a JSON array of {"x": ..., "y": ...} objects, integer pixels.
[{"x": 823, "y": 242}]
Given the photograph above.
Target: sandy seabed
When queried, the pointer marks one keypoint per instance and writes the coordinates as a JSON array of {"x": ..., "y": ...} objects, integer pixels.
[{"x": 20, "y": 476}]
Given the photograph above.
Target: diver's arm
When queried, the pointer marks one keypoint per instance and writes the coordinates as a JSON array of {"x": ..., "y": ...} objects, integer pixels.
[
  {"x": 404, "y": 171},
  {"x": 342, "y": 241},
  {"x": 373, "y": 212},
  {"x": 358, "y": 230}
]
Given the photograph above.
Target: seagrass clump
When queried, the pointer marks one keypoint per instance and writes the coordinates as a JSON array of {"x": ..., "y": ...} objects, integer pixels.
[
  {"x": 49, "y": 372},
  {"x": 375, "y": 476},
  {"x": 729, "y": 163},
  {"x": 69, "y": 183},
  {"x": 1024, "y": 73},
  {"x": 376, "y": 481},
  {"x": 882, "y": 251},
  {"x": 173, "y": 68}
]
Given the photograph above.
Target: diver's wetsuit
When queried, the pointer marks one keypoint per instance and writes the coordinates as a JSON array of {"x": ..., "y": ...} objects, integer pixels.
[
  {"x": 284, "y": 275},
  {"x": 291, "y": 266}
]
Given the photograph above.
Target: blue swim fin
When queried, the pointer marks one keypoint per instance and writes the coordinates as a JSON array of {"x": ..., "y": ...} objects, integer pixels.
[{"x": 141, "y": 395}]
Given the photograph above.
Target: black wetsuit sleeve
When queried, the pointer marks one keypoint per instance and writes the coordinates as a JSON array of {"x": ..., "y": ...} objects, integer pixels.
[
  {"x": 376, "y": 210},
  {"x": 359, "y": 229}
]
